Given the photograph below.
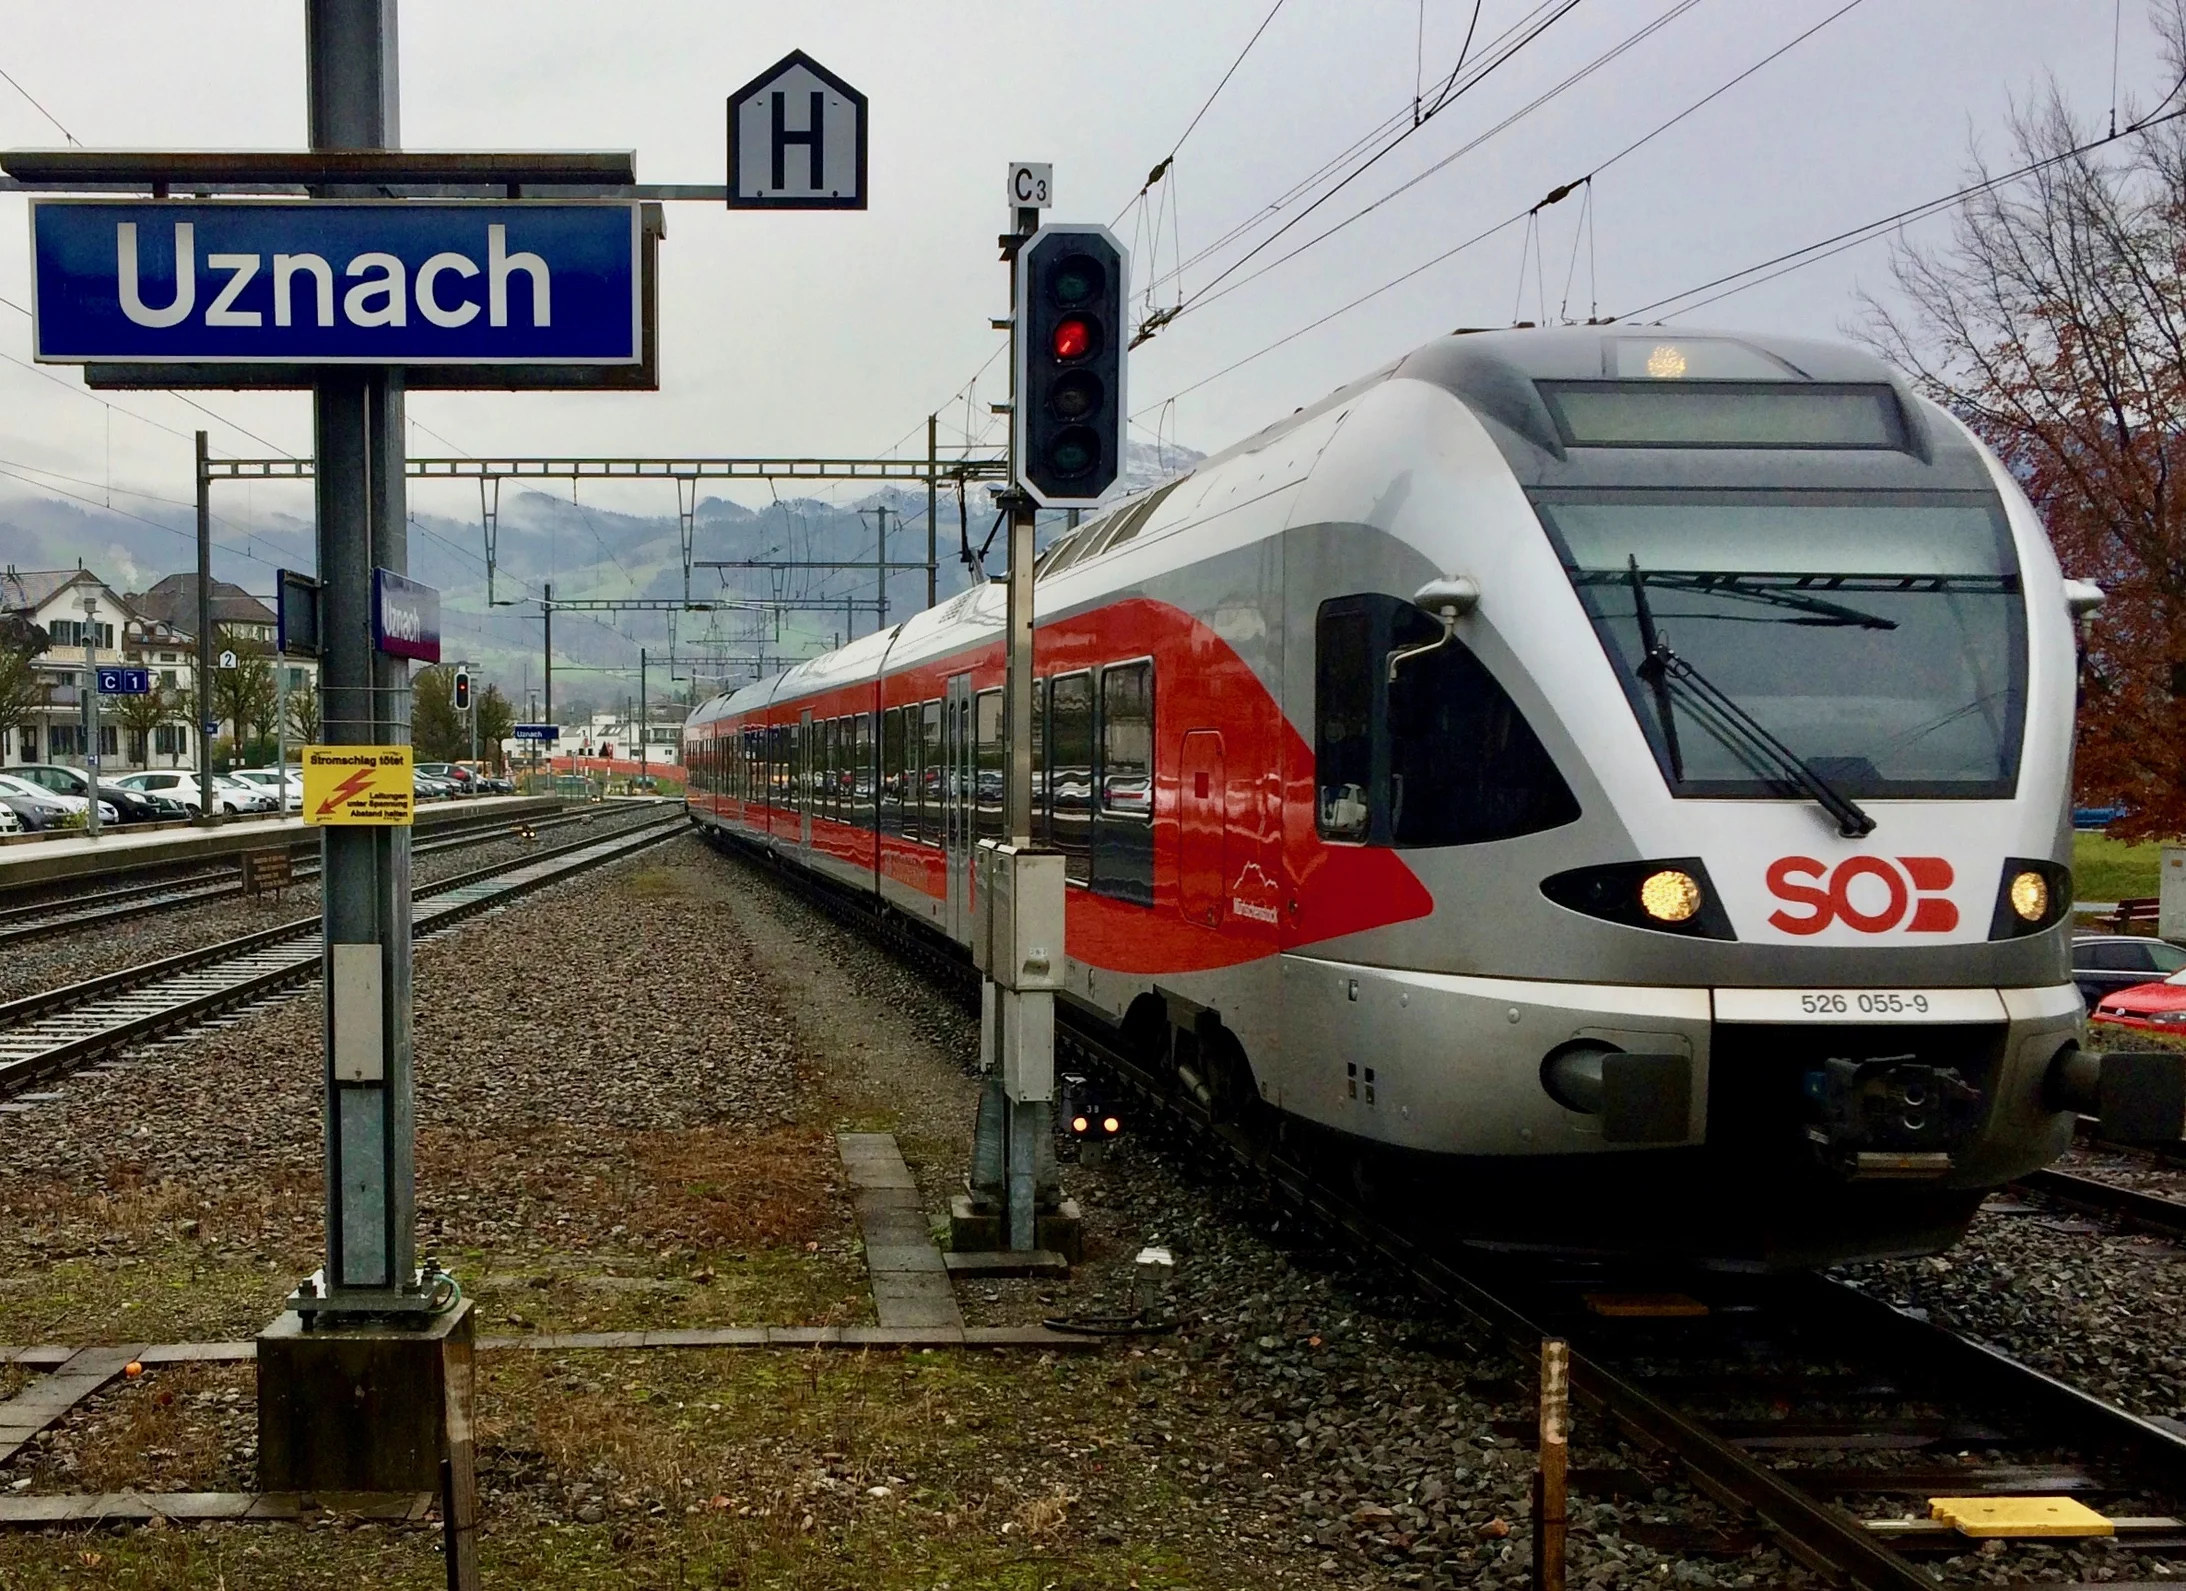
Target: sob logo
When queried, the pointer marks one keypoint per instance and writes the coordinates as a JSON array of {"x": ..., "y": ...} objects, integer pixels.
[{"x": 1869, "y": 894}]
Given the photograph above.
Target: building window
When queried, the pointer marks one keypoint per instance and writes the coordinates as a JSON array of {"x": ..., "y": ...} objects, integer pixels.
[
  {"x": 167, "y": 679},
  {"x": 170, "y": 740},
  {"x": 64, "y": 740}
]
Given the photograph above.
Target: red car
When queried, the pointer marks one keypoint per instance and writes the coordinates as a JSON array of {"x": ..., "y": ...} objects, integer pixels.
[{"x": 2153, "y": 1007}]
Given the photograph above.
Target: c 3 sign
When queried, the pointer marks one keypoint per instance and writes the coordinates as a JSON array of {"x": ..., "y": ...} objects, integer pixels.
[{"x": 1868, "y": 894}]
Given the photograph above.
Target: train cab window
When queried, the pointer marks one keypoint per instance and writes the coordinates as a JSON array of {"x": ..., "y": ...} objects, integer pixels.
[
  {"x": 891, "y": 771},
  {"x": 1070, "y": 772},
  {"x": 987, "y": 773},
  {"x": 1123, "y": 830},
  {"x": 1439, "y": 756},
  {"x": 932, "y": 819}
]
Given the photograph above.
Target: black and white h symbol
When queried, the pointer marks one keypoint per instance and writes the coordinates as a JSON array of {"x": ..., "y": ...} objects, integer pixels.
[{"x": 813, "y": 138}]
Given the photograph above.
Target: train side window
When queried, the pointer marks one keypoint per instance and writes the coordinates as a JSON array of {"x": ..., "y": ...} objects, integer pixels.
[
  {"x": 1123, "y": 834},
  {"x": 1040, "y": 827},
  {"x": 861, "y": 778},
  {"x": 915, "y": 753},
  {"x": 987, "y": 773},
  {"x": 1440, "y": 756},
  {"x": 891, "y": 771},
  {"x": 1070, "y": 772},
  {"x": 932, "y": 819}
]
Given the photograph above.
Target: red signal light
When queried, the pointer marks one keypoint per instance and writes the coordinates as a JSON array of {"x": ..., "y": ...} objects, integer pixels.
[{"x": 1073, "y": 339}]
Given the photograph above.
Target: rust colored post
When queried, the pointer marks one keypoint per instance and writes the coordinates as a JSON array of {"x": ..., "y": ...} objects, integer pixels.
[{"x": 1548, "y": 1545}]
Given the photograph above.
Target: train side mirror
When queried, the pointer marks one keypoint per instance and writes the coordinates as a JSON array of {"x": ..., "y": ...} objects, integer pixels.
[{"x": 1448, "y": 599}]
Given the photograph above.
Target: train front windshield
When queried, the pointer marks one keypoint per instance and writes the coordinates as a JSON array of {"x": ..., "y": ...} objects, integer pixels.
[{"x": 1880, "y": 636}]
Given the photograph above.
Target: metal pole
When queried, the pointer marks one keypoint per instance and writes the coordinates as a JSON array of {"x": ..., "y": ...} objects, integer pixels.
[
  {"x": 880, "y": 564},
  {"x": 473, "y": 714},
  {"x": 91, "y": 714},
  {"x": 358, "y": 438},
  {"x": 546, "y": 643},
  {"x": 280, "y": 726},
  {"x": 642, "y": 715},
  {"x": 933, "y": 464},
  {"x": 208, "y": 723}
]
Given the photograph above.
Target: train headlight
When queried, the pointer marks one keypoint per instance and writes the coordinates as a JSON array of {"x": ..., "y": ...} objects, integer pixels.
[
  {"x": 2031, "y": 895},
  {"x": 1665, "y": 895},
  {"x": 1671, "y": 896}
]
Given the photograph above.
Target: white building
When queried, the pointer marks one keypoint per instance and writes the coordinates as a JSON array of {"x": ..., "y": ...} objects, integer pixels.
[{"x": 155, "y": 631}]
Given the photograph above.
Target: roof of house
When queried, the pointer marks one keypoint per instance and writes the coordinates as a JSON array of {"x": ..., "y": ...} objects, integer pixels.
[
  {"x": 23, "y": 590},
  {"x": 173, "y": 602}
]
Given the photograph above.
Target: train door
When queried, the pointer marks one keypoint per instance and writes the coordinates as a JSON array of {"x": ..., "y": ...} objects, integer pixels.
[
  {"x": 1202, "y": 869},
  {"x": 959, "y": 790},
  {"x": 802, "y": 779}
]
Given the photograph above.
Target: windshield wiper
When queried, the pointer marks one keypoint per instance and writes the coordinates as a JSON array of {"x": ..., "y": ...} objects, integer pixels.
[{"x": 1730, "y": 723}]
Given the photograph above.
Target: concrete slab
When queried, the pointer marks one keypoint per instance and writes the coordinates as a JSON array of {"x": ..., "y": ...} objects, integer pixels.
[
  {"x": 1007, "y": 1263},
  {"x": 910, "y": 1282}
]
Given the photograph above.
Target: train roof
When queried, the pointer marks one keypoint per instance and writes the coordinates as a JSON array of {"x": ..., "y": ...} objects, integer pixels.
[{"x": 1495, "y": 373}]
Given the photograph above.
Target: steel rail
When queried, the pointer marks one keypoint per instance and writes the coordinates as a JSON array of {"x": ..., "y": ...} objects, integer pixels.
[
  {"x": 47, "y": 1035},
  {"x": 2130, "y": 1205},
  {"x": 45, "y": 919},
  {"x": 1818, "y": 1532}
]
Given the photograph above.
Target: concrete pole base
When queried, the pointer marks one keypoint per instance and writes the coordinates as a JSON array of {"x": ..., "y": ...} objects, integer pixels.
[{"x": 371, "y": 1407}]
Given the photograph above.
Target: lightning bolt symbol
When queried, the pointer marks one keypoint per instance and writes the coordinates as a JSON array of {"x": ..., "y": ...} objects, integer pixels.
[{"x": 353, "y": 785}]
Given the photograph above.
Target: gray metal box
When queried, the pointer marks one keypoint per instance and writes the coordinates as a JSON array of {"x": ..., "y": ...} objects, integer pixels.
[{"x": 1023, "y": 914}]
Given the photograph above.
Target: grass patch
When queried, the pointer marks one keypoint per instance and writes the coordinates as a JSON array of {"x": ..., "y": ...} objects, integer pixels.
[{"x": 2107, "y": 869}]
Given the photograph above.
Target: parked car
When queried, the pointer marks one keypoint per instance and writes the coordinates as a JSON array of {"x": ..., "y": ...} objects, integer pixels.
[
  {"x": 9, "y": 822},
  {"x": 2103, "y": 964},
  {"x": 459, "y": 779},
  {"x": 40, "y": 808},
  {"x": 249, "y": 796},
  {"x": 496, "y": 784},
  {"x": 428, "y": 788},
  {"x": 178, "y": 786},
  {"x": 2151, "y": 1007},
  {"x": 268, "y": 781},
  {"x": 133, "y": 806}
]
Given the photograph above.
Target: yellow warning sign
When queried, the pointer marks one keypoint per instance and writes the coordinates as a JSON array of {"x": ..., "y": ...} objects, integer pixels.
[{"x": 350, "y": 785}]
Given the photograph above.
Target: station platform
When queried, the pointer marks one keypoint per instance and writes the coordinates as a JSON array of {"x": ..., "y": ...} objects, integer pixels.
[{"x": 135, "y": 847}]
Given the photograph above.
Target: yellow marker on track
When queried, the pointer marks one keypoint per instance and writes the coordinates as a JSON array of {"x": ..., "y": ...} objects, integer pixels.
[
  {"x": 2019, "y": 1516},
  {"x": 358, "y": 785}
]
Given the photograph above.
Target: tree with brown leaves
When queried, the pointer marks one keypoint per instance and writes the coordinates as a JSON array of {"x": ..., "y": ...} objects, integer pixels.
[{"x": 2054, "y": 323}]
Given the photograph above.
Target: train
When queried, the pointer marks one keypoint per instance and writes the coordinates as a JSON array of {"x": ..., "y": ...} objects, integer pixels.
[{"x": 1606, "y": 789}]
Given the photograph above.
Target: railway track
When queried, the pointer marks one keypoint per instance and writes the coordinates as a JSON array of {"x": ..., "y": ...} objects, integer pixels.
[
  {"x": 2132, "y": 1207},
  {"x": 47, "y": 1035},
  {"x": 1739, "y": 1382},
  {"x": 20, "y": 924}
]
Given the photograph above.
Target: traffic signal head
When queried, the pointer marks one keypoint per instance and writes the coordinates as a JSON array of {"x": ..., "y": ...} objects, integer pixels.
[
  {"x": 1068, "y": 426},
  {"x": 462, "y": 690}
]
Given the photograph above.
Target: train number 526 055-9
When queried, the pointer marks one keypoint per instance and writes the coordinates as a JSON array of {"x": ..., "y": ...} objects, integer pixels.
[{"x": 1880, "y": 1002}]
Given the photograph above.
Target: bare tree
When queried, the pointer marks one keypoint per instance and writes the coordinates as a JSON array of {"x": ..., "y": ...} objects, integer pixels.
[
  {"x": 2054, "y": 323},
  {"x": 21, "y": 691}
]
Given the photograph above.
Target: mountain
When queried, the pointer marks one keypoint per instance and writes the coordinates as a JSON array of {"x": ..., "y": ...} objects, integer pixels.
[{"x": 586, "y": 553}]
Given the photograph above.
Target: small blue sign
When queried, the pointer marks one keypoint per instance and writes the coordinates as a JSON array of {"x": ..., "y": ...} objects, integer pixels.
[
  {"x": 538, "y": 732},
  {"x": 405, "y": 617},
  {"x": 404, "y": 282},
  {"x": 125, "y": 682}
]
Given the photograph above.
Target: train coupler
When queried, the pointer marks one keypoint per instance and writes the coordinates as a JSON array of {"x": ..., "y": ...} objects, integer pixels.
[
  {"x": 1889, "y": 1116},
  {"x": 2137, "y": 1096}
]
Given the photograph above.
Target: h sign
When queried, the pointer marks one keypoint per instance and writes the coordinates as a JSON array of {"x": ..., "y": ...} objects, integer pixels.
[
  {"x": 797, "y": 140},
  {"x": 405, "y": 617}
]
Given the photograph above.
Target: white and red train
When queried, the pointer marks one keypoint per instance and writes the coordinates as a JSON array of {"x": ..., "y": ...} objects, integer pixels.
[{"x": 1683, "y": 871}]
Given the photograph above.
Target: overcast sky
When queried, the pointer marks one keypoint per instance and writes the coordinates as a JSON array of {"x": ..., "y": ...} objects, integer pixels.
[{"x": 811, "y": 333}]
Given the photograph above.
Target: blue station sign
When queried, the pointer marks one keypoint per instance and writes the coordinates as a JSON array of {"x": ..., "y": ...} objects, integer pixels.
[
  {"x": 540, "y": 732},
  {"x": 405, "y": 617},
  {"x": 125, "y": 682},
  {"x": 385, "y": 282}
]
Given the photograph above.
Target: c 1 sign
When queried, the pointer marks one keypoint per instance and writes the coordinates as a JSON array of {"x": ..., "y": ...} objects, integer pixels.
[
  {"x": 392, "y": 282},
  {"x": 405, "y": 617}
]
